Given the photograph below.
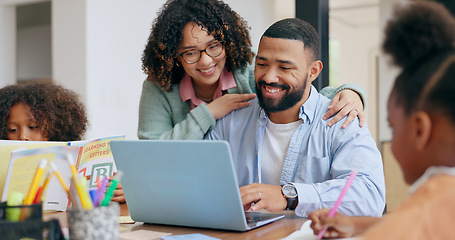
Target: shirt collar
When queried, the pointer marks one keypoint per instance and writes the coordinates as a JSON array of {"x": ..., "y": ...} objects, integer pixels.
[
  {"x": 227, "y": 81},
  {"x": 186, "y": 89},
  {"x": 431, "y": 171},
  {"x": 308, "y": 108}
]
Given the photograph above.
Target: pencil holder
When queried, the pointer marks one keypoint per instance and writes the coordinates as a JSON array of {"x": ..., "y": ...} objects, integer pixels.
[
  {"x": 97, "y": 223},
  {"x": 21, "y": 213},
  {"x": 26, "y": 222}
]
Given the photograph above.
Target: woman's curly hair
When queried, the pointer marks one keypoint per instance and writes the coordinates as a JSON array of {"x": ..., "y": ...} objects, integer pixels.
[
  {"x": 56, "y": 109},
  {"x": 161, "y": 52}
]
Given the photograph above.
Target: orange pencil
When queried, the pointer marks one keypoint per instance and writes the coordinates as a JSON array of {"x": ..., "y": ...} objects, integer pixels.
[
  {"x": 98, "y": 182},
  {"x": 48, "y": 179}
]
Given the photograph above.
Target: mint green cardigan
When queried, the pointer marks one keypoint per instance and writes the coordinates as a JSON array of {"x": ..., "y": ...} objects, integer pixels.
[{"x": 163, "y": 115}]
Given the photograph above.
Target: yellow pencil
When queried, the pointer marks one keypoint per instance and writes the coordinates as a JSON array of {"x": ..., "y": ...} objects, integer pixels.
[
  {"x": 35, "y": 181},
  {"x": 48, "y": 179},
  {"x": 74, "y": 196},
  {"x": 85, "y": 197},
  {"x": 59, "y": 176},
  {"x": 71, "y": 162},
  {"x": 80, "y": 191}
]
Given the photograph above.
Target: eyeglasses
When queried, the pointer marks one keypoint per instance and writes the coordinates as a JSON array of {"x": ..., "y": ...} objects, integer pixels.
[{"x": 193, "y": 56}]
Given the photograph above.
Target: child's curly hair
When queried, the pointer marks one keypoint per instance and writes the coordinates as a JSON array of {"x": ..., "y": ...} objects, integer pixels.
[
  {"x": 56, "y": 109},
  {"x": 160, "y": 54}
]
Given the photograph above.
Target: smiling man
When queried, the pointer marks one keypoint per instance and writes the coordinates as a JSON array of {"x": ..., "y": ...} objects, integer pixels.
[{"x": 285, "y": 155}]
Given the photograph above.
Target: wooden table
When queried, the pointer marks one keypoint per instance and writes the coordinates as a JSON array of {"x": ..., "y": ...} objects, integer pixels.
[{"x": 275, "y": 230}]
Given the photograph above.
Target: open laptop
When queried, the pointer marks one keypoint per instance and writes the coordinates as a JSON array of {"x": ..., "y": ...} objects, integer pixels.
[{"x": 183, "y": 182}]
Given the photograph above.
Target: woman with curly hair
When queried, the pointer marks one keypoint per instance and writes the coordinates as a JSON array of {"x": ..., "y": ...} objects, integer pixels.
[
  {"x": 41, "y": 111},
  {"x": 198, "y": 61},
  {"x": 421, "y": 108}
]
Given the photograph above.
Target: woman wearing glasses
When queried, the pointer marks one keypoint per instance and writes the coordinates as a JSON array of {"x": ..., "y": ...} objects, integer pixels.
[{"x": 198, "y": 60}]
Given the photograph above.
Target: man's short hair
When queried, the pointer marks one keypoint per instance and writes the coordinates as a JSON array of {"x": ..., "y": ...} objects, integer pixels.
[{"x": 296, "y": 29}]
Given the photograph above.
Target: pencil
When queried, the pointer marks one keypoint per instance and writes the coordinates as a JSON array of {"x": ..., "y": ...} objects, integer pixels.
[
  {"x": 77, "y": 182},
  {"x": 111, "y": 189},
  {"x": 85, "y": 196},
  {"x": 74, "y": 196},
  {"x": 71, "y": 162},
  {"x": 340, "y": 198},
  {"x": 39, "y": 192},
  {"x": 59, "y": 176},
  {"x": 48, "y": 179},
  {"x": 100, "y": 193},
  {"x": 35, "y": 181}
]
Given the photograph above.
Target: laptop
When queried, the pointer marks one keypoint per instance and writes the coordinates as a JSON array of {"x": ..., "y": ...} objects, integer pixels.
[{"x": 183, "y": 182}]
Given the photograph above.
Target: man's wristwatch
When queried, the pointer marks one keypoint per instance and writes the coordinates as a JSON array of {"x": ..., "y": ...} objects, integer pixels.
[{"x": 290, "y": 193}]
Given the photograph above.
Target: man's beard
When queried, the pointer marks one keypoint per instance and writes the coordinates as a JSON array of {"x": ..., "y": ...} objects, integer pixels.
[{"x": 290, "y": 99}]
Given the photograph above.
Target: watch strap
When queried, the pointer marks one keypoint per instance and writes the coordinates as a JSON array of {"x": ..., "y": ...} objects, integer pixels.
[{"x": 291, "y": 203}]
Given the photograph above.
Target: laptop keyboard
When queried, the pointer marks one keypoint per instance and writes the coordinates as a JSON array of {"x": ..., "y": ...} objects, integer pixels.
[{"x": 253, "y": 218}]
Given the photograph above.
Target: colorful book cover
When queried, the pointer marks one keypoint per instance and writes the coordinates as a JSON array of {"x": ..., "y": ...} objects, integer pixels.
[{"x": 94, "y": 159}]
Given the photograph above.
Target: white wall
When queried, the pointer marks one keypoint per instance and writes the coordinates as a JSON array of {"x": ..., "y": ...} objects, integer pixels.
[
  {"x": 387, "y": 72},
  {"x": 97, "y": 49},
  {"x": 69, "y": 46},
  {"x": 259, "y": 14},
  {"x": 33, "y": 52},
  {"x": 356, "y": 31},
  {"x": 117, "y": 35},
  {"x": 7, "y": 44}
]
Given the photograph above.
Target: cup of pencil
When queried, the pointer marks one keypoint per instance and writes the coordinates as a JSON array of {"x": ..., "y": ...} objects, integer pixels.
[
  {"x": 92, "y": 214},
  {"x": 97, "y": 223}
]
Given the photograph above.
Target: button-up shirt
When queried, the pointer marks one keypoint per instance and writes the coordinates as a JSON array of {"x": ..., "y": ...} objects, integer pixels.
[{"x": 318, "y": 161}]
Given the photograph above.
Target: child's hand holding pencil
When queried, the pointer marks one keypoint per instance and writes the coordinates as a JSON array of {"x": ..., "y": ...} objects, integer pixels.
[
  {"x": 321, "y": 219},
  {"x": 119, "y": 196}
]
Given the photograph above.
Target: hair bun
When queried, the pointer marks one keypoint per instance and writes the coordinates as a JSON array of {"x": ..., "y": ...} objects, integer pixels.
[{"x": 417, "y": 31}]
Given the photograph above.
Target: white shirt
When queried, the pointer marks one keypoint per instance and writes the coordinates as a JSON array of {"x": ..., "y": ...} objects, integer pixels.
[{"x": 274, "y": 148}]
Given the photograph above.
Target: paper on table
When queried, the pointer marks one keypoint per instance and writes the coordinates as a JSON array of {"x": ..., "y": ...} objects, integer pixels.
[
  {"x": 193, "y": 236},
  {"x": 142, "y": 234},
  {"x": 306, "y": 233},
  {"x": 125, "y": 219}
]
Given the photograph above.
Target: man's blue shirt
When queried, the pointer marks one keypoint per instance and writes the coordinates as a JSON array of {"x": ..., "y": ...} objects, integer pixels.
[{"x": 318, "y": 161}]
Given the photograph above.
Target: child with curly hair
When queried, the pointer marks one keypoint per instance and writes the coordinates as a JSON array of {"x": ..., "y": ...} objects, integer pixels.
[{"x": 41, "y": 111}]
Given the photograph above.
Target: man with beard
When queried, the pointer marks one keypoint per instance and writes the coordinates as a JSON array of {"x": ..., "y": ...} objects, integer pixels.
[{"x": 285, "y": 155}]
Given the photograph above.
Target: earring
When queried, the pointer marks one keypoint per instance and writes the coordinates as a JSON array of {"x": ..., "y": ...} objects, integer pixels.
[{"x": 177, "y": 63}]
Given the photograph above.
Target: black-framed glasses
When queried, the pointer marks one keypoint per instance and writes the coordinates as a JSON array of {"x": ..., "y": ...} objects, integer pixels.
[{"x": 213, "y": 50}]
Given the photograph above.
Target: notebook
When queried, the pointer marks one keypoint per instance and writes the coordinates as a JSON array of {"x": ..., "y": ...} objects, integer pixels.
[{"x": 183, "y": 182}]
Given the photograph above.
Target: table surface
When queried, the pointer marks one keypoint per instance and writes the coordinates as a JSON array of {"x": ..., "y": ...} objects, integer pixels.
[{"x": 275, "y": 230}]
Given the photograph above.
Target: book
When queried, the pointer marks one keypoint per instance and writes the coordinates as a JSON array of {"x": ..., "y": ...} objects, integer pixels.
[
  {"x": 93, "y": 159},
  {"x": 7, "y": 146}
]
